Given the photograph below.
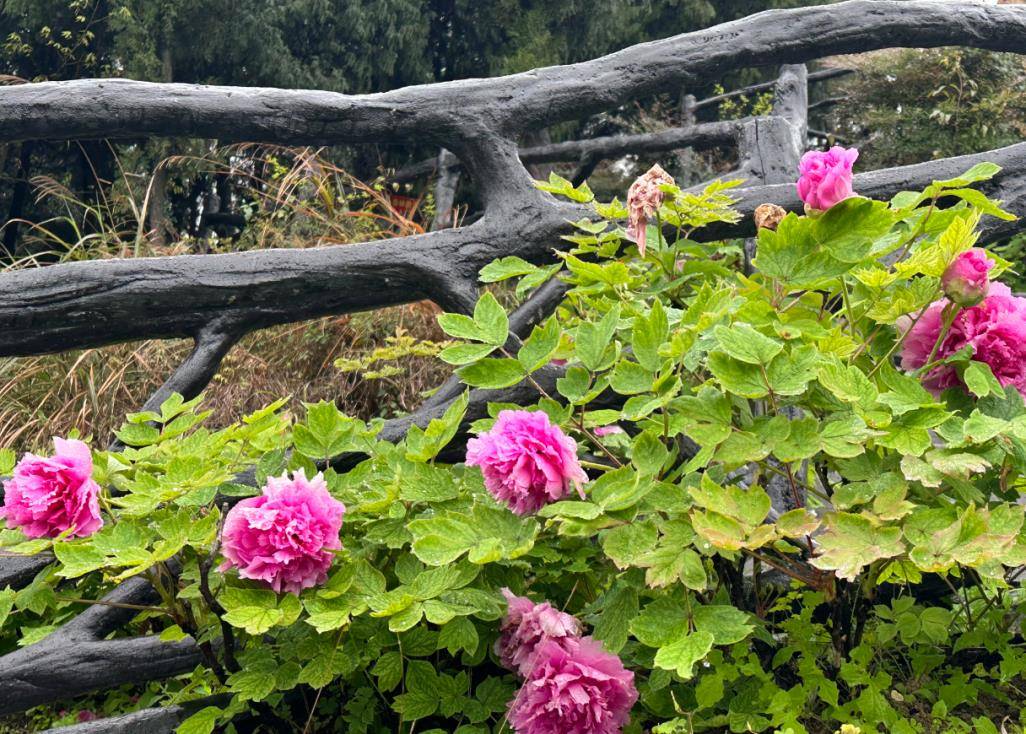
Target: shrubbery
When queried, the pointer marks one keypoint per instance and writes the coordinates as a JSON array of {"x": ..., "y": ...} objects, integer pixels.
[{"x": 739, "y": 508}]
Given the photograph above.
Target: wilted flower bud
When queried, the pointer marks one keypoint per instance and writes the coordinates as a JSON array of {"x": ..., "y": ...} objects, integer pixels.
[
  {"x": 965, "y": 281},
  {"x": 768, "y": 216},
  {"x": 643, "y": 199}
]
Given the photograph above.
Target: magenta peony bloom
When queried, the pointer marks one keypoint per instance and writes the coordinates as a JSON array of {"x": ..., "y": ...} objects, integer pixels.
[
  {"x": 575, "y": 688},
  {"x": 526, "y": 627},
  {"x": 643, "y": 199},
  {"x": 826, "y": 177},
  {"x": 527, "y": 462},
  {"x": 995, "y": 329},
  {"x": 49, "y": 496},
  {"x": 965, "y": 281},
  {"x": 284, "y": 537}
]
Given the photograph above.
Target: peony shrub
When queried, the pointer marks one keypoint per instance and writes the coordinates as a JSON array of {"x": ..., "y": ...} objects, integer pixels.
[{"x": 770, "y": 496}]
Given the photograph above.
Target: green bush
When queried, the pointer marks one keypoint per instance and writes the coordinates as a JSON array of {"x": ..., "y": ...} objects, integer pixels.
[{"x": 790, "y": 534}]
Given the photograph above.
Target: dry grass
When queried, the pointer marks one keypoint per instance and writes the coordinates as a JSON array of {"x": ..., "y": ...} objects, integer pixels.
[
  {"x": 302, "y": 200},
  {"x": 93, "y": 389}
]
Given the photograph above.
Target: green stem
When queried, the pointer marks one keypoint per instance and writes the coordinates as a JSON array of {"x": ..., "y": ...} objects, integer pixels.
[
  {"x": 897, "y": 344},
  {"x": 949, "y": 314},
  {"x": 847, "y": 304}
]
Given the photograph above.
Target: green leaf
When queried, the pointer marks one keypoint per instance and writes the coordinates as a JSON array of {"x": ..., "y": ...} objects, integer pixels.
[
  {"x": 255, "y": 610},
  {"x": 422, "y": 692},
  {"x": 852, "y": 542},
  {"x": 327, "y": 432},
  {"x": 802, "y": 440},
  {"x": 979, "y": 172},
  {"x": 425, "y": 483},
  {"x": 980, "y": 380},
  {"x": 630, "y": 378},
  {"x": 388, "y": 670},
  {"x": 848, "y": 230},
  {"x": 797, "y": 523},
  {"x": 539, "y": 347},
  {"x": 648, "y": 335},
  {"x": 791, "y": 254},
  {"x": 425, "y": 445},
  {"x": 744, "y": 343},
  {"x": 461, "y": 327},
  {"x": 737, "y": 377},
  {"x": 505, "y": 268},
  {"x": 726, "y": 624},
  {"x": 492, "y": 373},
  {"x": 682, "y": 654},
  {"x": 201, "y": 722},
  {"x": 485, "y": 534},
  {"x": 648, "y": 454},
  {"x": 255, "y": 620},
  {"x": 748, "y": 506},
  {"x": 572, "y": 509},
  {"x": 790, "y": 373},
  {"x": 7, "y": 597},
  {"x": 661, "y": 622},
  {"x": 7, "y": 461},
  {"x": 905, "y": 393},
  {"x": 77, "y": 558},
  {"x": 620, "y": 607},
  {"x": 625, "y": 545},
  {"x": 492, "y": 320},
  {"x": 460, "y": 354},
  {"x": 620, "y": 489},
  {"x": 459, "y": 634},
  {"x": 138, "y": 434},
  {"x": 257, "y": 678},
  {"x": 319, "y": 671},
  {"x": 593, "y": 339},
  {"x": 847, "y": 383},
  {"x": 980, "y": 428}
]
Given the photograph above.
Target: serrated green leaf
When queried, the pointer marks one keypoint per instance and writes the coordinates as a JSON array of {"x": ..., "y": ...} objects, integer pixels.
[
  {"x": 681, "y": 655},
  {"x": 492, "y": 373},
  {"x": 505, "y": 268},
  {"x": 539, "y": 347},
  {"x": 491, "y": 320},
  {"x": 744, "y": 343},
  {"x": 593, "y": 339}
]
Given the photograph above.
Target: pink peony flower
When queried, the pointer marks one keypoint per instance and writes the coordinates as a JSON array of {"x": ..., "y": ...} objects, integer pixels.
[
  {"x": 49, "y": 496},
  {"x": 526, "y": 627},
  {"x": 575, "y": 688},
  {"x": 826, "y": 177},
  {"x": 527, "y": 462},
  {"x": 965, "y": 281},
  {"x": 995, "y": 329},
  {"x": 607, "y": 430},
  {"x": 643, "y": 200},
  {"x": 285, "y": 536}
]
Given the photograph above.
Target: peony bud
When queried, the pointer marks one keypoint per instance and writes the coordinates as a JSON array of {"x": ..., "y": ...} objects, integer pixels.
[
  {"x": 768, "y": 216},
  {"x": 825, "y": 178},
  {"x": 965, "y": 281}
]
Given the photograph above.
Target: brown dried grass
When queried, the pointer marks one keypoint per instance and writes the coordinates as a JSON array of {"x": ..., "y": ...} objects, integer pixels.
[{"x": 308, "y": 202}]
